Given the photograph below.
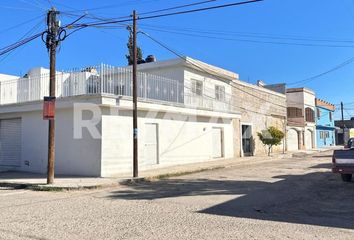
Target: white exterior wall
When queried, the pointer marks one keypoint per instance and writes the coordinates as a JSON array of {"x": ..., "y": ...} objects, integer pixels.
[
  {"x": 209, "y": 82},
  {"x": 174, "y": 73},
  {"x": 182, "y": 138},
  {"x": 73, "y": 156}
]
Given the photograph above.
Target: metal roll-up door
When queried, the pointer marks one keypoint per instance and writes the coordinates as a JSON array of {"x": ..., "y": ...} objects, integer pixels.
[{"x": 10, "y": 142}]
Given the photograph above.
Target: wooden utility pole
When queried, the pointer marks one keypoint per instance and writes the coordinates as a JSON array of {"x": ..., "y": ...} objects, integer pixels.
[
  {"x": 135, "y": 105},
  {"x": 341, "y": 109},
  {"x": 52, "y": 42}
]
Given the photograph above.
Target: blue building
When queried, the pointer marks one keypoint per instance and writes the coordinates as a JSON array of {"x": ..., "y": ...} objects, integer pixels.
[{"x": 325, "y": 128}]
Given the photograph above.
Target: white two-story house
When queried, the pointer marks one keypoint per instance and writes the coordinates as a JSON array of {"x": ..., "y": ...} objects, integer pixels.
[{"x": 184, "y": 116}]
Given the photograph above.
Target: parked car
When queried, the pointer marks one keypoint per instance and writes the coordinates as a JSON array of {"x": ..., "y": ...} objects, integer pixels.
[{"x": 343, "y": 161}]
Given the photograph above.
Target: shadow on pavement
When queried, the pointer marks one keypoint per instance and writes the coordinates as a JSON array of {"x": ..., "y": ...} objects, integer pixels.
[{"x": 318, "y": 198}]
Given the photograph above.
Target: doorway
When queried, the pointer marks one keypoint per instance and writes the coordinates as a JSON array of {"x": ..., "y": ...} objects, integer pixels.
[
  {"x": 247, "y": 140},
  {"x": 151, "y": 144},
  {"x": 218, "y": 142}
]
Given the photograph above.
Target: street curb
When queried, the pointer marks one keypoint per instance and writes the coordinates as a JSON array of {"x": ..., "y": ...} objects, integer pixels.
[
  {"x": 157, "y": 177},
  {"x": 51, "y": 188}
]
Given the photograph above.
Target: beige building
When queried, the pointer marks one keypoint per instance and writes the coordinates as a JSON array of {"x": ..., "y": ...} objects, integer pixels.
[
  {"x": 301, "y": 129},
  {"x": 261, "y": 107}
]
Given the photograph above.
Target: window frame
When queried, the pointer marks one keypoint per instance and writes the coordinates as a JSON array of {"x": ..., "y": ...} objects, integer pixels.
[
  {"x": 220, "y": 93},
  {"x": 195, "y": 89}
]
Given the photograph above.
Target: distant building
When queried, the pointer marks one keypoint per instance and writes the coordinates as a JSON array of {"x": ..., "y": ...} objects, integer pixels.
[
  {"x": 344, "y": 130},
  {"x": 325, "y": 128},
  {"x": 301, "y": 124}
]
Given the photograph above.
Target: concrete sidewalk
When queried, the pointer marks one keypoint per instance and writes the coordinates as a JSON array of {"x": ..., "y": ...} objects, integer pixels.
[{"x": 13, "y": 180}]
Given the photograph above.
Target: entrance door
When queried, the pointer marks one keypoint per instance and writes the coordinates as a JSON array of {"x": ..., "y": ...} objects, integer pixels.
[
  {"x": 10, "y": 142},
  {"x": 247, "y": 140},
  {"x": 308, "y": 139},
  {"x": 293, "y": 140},
  {"x": 151, "y": 144},
  {"x": 217, "y": 135}
]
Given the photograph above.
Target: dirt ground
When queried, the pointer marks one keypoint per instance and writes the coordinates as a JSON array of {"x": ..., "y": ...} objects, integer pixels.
[{"x": 292, "y": 198}]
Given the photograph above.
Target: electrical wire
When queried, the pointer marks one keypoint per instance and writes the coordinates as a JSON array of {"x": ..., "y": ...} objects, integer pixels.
[
  {"x": 178, "y": 7},
  {"x": 204, "y": 70},
  {"x": 245, "y": 34},
  {"x": 250, "y": 40},
  {"x": 19, "y": 44},
  {"x": 21, "y": 24},
  {"x": 25, "y": 35},
  {"x": 173, "y": 13},
  {"x": 307, "y": 80}
]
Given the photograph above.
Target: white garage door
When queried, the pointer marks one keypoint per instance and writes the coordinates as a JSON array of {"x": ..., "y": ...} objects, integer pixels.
[
  {"x": 293, "y": 140},
  {"x": 308, "y": 139},
  {"x": 10, "y": 142},
  {"x": 217, "y": 143}
]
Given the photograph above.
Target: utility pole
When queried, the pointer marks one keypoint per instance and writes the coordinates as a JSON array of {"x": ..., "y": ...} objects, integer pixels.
[
  {"x": 341, "y": 109},
  {"x": 51, "y": 43},
  {"x": 343, "y": 127},
  {"x": 135, "y": 105}
]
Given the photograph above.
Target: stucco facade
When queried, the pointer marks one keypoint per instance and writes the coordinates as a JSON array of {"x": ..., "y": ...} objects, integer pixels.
[
  {"x": 183, "y": 117},
  {"x": 325, "y": 123},
  {"x": 182, "y": 136},
  {"x": 301, "y": 124}
]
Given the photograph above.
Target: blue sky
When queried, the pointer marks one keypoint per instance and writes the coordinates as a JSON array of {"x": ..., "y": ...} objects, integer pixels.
[{"x": 274, "y": 40}]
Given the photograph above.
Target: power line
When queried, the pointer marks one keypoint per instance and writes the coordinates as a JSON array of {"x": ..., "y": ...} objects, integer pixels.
[
  {"x": 19, "y": 44},
  {"x": 249, "y": 40},
  {"x": 25, "y": 35},
  {"x": 172, "y": 14},
  {"x": 178, "y": 7},
  {"x": 202, "y": 69},
  {"x": 109, "y": 6},
  {"x": 307, "y": 80},
  {"x": 21, "y": 24},
  {"x": 247, "y": 34}
]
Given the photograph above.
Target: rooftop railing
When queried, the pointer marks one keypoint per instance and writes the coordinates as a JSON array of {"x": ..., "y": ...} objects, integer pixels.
[{"x": 109, "y": 80}]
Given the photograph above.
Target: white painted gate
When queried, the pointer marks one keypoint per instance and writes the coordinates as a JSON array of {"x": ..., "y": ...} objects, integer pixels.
[
  {"x": 217, "y": 142},
  {"x": 151, "y": 144},
  {"x": 293, "y": 140},
  {"x": 308, "y": 139},
  {"x": 10, "y": 142}
]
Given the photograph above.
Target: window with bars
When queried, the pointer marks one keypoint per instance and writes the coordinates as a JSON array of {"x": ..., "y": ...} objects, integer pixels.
[
  {"x": 197, "y": 87},
  {"x": 219, "y": 93}
]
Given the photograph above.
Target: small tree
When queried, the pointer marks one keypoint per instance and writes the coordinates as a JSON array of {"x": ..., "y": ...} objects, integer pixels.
[
  {"x": 130, "y": 54},
  {"x": 271, "y": 137}
]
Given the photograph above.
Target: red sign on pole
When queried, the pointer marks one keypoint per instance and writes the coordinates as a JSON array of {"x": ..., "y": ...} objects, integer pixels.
[{"x": 49, "y": 108}]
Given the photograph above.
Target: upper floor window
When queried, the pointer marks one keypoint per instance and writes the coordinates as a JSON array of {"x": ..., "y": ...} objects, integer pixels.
[
  {"x": 220, "y": 93},
  {"x": 330, "y": 116},
  {"x": 309, "y": 115},
  {"x": 318, "y": 113},
  {"x": 294, "y": 112},
  {"x": 197, "y": 87}
]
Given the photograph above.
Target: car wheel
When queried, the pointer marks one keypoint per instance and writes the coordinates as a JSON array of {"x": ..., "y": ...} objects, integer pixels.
[{"x": 347, "y": 177}]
